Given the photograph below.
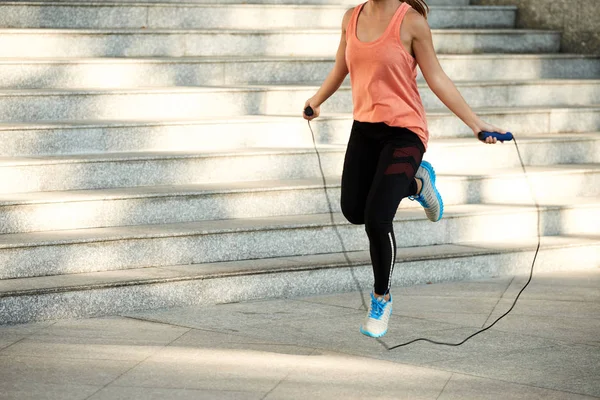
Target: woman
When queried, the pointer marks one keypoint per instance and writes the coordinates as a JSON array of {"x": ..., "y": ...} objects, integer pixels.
[{"x": 381, "y": 45}]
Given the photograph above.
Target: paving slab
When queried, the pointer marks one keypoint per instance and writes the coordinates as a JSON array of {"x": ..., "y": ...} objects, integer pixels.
[
  {"x": 581, "y": 330},
  {"x": 566, "y": 286},
  {"x": 572, "y": 368},
  {"x": 550, "y": 308},
  {"x": 8, "y": 340},
  {"x": 426, "y": 354},
  {"x": 344, "y": 377},
  {"x": 123, "y": 330},
  {"x": 587, "y": 279},
  {"x": 203, "y": 339},
  {"x": 63, "y": 371},
  {"x": 445, "y": 292},
  {"x": 470, "y": 387},
  {"x": 458, "y": 318},
  {"x": 80, "y": 348},
  {"x": 10, "y": 335},
  {"x": 310, "y": 347},
  {"x": 34, "y": 390},
  {"x": 24, "y": 329},
  {"x": 209, "y": 369},
  {"x": 143, "y": 393},
  {"x": 238, "y": 317},
  {"x": 489, "y": 288}
]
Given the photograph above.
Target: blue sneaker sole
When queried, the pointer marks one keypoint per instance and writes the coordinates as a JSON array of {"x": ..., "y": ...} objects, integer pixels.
[
  {"x": 431, "y": 172},
  {"x": 370, "y": 334}
]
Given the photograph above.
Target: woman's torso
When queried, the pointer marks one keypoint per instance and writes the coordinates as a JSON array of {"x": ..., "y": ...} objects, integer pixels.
[{"x": 383, "y": 71}]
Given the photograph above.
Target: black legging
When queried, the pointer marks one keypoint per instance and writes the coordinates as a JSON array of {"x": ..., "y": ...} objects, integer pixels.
[{"x": 379, "y": 170}]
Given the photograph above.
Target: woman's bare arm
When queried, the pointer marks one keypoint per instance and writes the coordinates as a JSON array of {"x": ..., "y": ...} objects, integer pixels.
[
  {"x": 335, "y": 78},
  {"x": 436, "y": 78}
]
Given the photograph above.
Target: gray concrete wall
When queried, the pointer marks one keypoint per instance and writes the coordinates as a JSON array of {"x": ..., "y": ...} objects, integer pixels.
[{"x": 579, "y": 20}]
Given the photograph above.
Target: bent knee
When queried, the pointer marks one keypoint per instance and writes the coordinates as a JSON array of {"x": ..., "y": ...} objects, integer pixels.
[
  {"x": 354, "y": 217},
  {"x": 378, "y": 226}
]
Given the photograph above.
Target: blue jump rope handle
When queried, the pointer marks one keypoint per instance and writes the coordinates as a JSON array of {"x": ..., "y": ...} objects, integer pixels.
[
  {"x": 499, "y": 136},
  {"x": 308, "y": 111}
]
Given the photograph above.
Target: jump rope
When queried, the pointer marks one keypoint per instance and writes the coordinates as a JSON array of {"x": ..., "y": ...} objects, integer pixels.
[{"x": 308, "y": 111}]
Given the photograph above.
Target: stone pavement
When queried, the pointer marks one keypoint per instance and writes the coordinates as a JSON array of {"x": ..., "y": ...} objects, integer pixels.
[{"x": 310, "y": 348}]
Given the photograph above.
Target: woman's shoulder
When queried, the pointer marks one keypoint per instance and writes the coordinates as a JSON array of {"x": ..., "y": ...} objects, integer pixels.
[
  {"x": 414, "y": 21},
  {"x": 414, "y": 15},
  {"x": 349, "y": 12},
  {"x": 347, "y": 17}
]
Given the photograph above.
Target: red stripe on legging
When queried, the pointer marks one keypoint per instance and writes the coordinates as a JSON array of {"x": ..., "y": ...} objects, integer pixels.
[
  {"x": 400, "y": 168},
  {"x": 407, "y": 152}
]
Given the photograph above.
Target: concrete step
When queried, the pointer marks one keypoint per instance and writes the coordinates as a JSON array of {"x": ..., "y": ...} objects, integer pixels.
[
  {"x": 118, "y": 292},
  {"x": 86, "y": 137},
  {"x": 175, "y": 103},
  {"x": 27, "y": 73},
  {"x": 281, "y": 42},
  {"x": 115, "y": 248},
  {"x": 113, "y": 170},
  {"x": 77, "y": 15},
  {"x": 347, "y": 3},
  {"x": 53, "y": 211}
]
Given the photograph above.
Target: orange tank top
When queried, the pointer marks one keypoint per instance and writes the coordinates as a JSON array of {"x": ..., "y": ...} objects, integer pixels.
[{"x": 383, "y": 76}]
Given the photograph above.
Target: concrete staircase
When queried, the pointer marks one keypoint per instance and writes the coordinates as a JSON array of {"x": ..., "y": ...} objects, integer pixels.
[{"x": 152, "y": 155}]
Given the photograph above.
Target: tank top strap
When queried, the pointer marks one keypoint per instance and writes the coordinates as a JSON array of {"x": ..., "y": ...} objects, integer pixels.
[
  {"x": 351, "y": 28},
  {"x": 396, "y": 21}
]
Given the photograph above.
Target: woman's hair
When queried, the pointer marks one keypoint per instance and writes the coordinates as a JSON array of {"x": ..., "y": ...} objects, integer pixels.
[{"x": 420, "y": 6}]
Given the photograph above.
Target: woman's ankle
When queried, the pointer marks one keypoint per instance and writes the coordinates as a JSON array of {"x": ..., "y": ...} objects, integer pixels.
[
  {"x": 419, "y": 185},
  {"x": 386, "y": 296}
]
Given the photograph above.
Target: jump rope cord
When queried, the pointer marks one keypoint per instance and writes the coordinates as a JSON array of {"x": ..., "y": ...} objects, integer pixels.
[{"x": 357, "y": 282}]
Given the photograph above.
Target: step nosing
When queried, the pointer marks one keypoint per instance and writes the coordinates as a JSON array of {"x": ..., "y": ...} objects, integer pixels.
[
  {"x": 76, "y": 124},
  {"x": 268, "y": 87},
  {"x": 263, "y": 224},
  {"x": 466, "y": 251},
  {"x": 239, "y": 59},
  {"x": 262, "y": 118},
  {"x": 189, "y": 191},
  {"x": 269, "y": 31},
  {"x": 152, "y": 156},
  {"x": 105, "y": 195},
  {"x": 189, "y": 4},
  {"x": 120, "y": 157}
]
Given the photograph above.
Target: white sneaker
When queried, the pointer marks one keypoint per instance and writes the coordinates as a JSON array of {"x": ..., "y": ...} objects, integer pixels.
[
  {"x": 429, "y": 197},
  {"x": 378, "y": 316}
]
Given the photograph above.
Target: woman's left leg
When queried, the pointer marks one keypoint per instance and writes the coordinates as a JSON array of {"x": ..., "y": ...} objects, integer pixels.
[
  {"x": 399, "y": 161},
  {"x": 400, "y": 157}
]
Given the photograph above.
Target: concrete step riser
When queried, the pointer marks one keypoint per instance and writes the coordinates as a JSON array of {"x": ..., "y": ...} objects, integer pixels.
[
  {"x": 119, "y": 300},
  {"x": 307, "y": 200},
  {"x": 273, "y": 166},
  {"x": 156, "y": 105},
  {"x": 338, "y": 3},
  {"x": 223, "y": 16},
  {"x": 200, "y": 248},
  {"x": 18, "y": 43},
  {"x": 24, "y": 74},
  {"x": 504, "y": 155},
  {"x": 221, "y": 134}
]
